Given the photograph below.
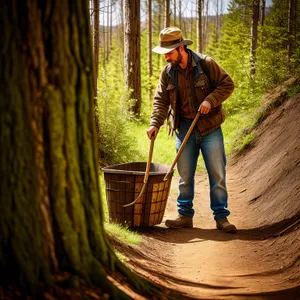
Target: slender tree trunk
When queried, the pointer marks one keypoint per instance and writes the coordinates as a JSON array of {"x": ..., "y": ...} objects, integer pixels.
[
  {"x": 96, "y": 8},
  {"x": 180, "y": 13},
  {"x": 291, "y": 25},
  {"x": 167, "y": 13},
  {"x": 51, "y": 214},
  {"x": 102, "y": 29},
  {"x": 110, "y": 25},
  {"x": 149, "y": 25},
  {"x": 174, "y": 8},
  {"x": 262, "y": 12},
  {"x": 199, "y": 27},
  {"x": 206, "y": 24},
  {"x": 107, "y": 42},
  {"x": 121, "y": 35},
  {"x": 192, "y": 21},
  {"x": 132, "y": 52},
  {"x": 217, "y": 22},
  {"x": 254, "y": 35},
  {"x": 297, "y": 24},
  {"x": 96, "y": 41}
]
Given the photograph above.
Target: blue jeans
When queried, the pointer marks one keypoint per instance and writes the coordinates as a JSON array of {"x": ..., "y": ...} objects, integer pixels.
[{"x": 212, "y": 149}]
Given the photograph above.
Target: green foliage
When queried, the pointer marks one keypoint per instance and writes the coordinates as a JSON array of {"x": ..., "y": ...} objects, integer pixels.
[
  {"x": 272, "y": 68},
  {"x": 122, "y": 234},
  {"x": 246, "y": 140},
  {"x": 293, "y": 90},
  {"x": 233, "y": 55},
  {"x": 124, "y": 137},
  {"x": 116, "y": 144},
  {"x": 117, "y": 232}
]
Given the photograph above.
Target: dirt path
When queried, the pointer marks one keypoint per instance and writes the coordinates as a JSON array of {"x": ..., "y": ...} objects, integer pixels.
[
  {"x": 204, "y": 263},
  {"x": 261, "y": 261}
]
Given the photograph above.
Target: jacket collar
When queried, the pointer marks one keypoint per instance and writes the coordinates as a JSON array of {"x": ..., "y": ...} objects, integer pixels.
[{"x": 194, "y": 59}]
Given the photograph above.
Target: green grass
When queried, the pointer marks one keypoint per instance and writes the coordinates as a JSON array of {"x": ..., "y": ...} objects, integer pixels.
[
  {"x": 164, "y": 145},
  {"x": 235, "y": 128},
  {"x": 122, "y": 234},
  {"x": 116, "y": 231},
  {"x": 237, "y": 135}
]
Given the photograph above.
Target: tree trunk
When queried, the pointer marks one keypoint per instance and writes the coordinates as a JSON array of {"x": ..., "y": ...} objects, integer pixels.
[
  {"x": 179, "y": 13},
  {"x": 121, "y": 36},
  {"x": 110, "y": 25},
  {"x": 206, "y": 24},
  {"x": 255, "y": 18},
  {"x": 132, "y": 52},
  {"x": 174, "y": 8},
  {"x": 199, "y": 27},
  {"x": 262, "y": 12},
  {"x": 96, "y": 41},
  {"x": 107, "y": 42},
  {"x": 96, "y": 44},
  {"x": 217, "y": 22},
  {"x": 291, "y": 27},
  {"x": 167, "y": 13},
  {"x": 51, "y": 214},
  {"x": 149, "y": 25}
]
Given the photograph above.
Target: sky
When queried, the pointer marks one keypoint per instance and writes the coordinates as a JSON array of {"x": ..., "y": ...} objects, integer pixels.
[{"x": 186, "y": 9}]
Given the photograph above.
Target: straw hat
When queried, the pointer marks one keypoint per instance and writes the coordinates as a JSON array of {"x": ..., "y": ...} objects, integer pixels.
[{"x": 169, "y": 39}]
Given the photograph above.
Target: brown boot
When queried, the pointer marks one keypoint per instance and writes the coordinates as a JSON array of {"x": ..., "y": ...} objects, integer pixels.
[
  {"x": 224, "y": 225},
  {"x": 180, "y": 222}
]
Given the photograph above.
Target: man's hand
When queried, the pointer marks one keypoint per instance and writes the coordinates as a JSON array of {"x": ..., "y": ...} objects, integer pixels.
[
  {"x": 205, "y": 107},
  {"x": 152, "y": 130}
]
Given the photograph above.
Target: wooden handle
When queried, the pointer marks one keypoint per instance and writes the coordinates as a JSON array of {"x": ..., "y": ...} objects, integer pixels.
[
  {"x": 187, "y": 136},
  {"x": 146, "y": 173}
]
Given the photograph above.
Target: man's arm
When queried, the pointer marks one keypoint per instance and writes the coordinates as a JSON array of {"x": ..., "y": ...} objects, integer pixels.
[{"x": 161, "y": 102}]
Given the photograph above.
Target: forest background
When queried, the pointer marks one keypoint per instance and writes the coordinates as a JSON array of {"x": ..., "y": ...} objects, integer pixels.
[
  {"x": 52, "y": 227},
  {"x": 257, "y": 42}
]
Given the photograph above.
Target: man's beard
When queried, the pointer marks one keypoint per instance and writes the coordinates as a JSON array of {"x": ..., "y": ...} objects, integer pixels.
[{"x": 177, "y": 61}]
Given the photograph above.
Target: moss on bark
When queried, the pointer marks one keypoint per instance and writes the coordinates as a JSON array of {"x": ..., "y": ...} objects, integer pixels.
[{"x": 51, "y": 214}]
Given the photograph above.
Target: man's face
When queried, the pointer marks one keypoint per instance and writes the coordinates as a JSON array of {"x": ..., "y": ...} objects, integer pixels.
[{"x": 174, "y": 57}]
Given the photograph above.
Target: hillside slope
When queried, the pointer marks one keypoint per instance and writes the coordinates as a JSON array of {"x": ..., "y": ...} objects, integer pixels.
[
  {"x": 261, "y": 261},
  {"x": 269, "y": 170}
]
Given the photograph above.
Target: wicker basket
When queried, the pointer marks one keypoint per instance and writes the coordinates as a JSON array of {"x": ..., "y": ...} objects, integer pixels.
[{"x": 123, "y": 185}]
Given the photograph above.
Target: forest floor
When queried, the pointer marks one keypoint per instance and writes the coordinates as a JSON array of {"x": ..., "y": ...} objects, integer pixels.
[{"x": 261, "y": 261}]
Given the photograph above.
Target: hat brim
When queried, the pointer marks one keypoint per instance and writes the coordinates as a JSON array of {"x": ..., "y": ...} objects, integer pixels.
[{"x": 166, "y": 49}]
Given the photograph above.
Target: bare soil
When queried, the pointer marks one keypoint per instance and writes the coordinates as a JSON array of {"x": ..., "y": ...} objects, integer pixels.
[{"x": 261, "y": 261}]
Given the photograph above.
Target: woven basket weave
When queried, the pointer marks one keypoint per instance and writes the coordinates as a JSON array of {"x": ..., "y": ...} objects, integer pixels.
[{"x": 124, "y": 183}]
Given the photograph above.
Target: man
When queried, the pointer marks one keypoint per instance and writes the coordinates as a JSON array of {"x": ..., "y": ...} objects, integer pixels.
[{"x": 188, "y": 83}]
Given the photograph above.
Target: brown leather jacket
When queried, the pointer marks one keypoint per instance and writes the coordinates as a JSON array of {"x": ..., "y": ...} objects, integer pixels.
[{"x": 212, "y": 84}]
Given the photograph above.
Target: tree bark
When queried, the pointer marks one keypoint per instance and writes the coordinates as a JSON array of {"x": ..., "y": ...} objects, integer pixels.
[
  {"x": 254, "y": 35},
  {"x": 51, "y": 214},
  {"x": 96, "y": 41},
  {"x": 206, "y": 24},
  {"x": 174, "y": 8},
  {"x": 96, "y": 45},
  {"x": 199, "y": 27},
  {"x": 150, "y": 69},
  {"x": 121, "y": 36},
  {"x": 132, "y": 53},
  {"x": 217, "y": 22},
  {"x": 262, "y": 12},
  {"x": 291, "y": 27},
  {"x": 180, "y": 13},
  {"x": 167, "y": 13}
]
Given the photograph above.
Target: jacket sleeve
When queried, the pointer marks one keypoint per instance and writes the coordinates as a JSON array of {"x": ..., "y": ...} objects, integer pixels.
[
  {"x": 222, "y": 82},
  {"x": 161, "y": 101}
]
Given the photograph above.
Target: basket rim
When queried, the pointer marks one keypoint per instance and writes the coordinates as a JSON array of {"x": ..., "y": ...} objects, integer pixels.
[{"x": 109, "y": 169}]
